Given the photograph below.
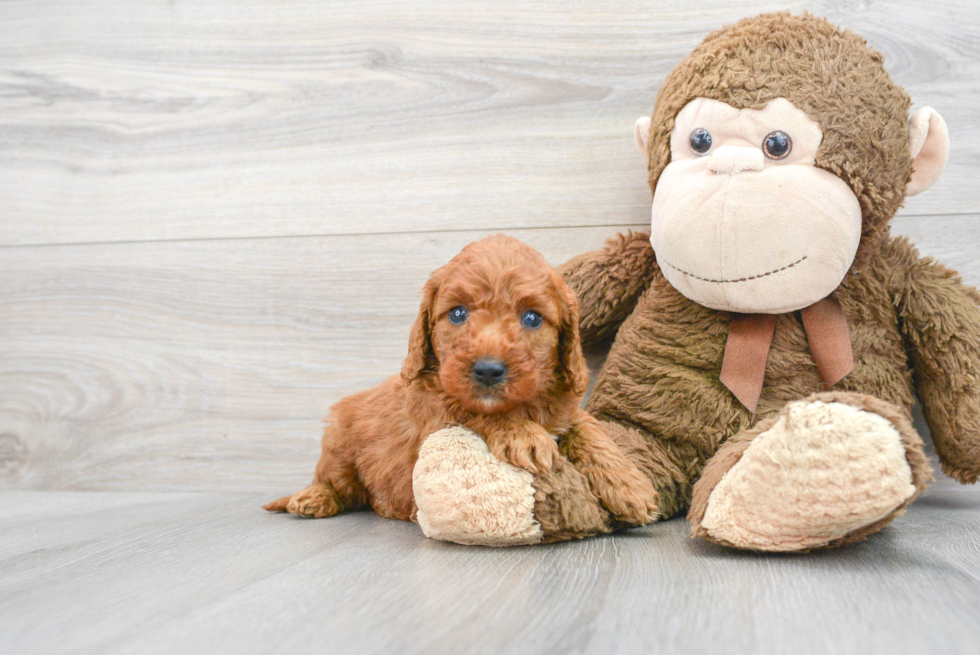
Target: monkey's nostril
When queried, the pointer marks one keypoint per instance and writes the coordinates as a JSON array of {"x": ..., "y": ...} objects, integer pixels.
[
  {"x": 736, "y": 159},
  {"x": 489, "y": 372}
]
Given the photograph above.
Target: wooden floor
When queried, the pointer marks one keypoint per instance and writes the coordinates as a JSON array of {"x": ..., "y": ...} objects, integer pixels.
[
  {"x": 106, "y": 573},
  {"x": 215, "y": 221}
]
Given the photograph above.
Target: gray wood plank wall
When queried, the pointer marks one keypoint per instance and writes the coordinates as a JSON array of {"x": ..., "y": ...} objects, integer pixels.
[{"x": 215, "y": 217}]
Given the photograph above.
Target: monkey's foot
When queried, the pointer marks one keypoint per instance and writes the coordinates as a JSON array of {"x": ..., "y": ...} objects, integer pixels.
[
  {"x": 828, "y": 470},
  {"x": 466, "y": 495}
]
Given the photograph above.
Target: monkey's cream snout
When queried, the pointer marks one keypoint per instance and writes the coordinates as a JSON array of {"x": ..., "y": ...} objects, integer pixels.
[{"x": 736, "y": 159}]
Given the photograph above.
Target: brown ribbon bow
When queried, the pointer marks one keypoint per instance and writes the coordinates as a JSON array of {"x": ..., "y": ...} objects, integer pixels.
[{"x": 750, "y": 336}]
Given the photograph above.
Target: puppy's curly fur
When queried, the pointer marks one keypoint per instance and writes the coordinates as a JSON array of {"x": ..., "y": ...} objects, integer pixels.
[{"x": 372, "y": 438}]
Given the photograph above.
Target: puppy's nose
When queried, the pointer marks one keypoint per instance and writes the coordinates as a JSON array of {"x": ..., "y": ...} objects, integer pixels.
[{"x": 489, "y": 372}]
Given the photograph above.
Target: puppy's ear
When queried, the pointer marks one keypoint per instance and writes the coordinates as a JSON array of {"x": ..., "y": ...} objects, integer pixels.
[
  {"x": 573, "y": 364},
  {"x": 420, "y": 353}
]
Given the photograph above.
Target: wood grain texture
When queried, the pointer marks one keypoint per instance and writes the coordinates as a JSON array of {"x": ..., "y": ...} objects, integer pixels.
[
  {"x": 124, "y": 121},
  {"x": 203, "y": 365},
  {"x": 212, "y": 573},
  {"x": 215, "y": 220},
  {"x": 208, "y": 365}
]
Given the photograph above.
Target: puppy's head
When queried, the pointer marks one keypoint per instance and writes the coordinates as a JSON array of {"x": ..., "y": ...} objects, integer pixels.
[{"x": 499, "y": 328}]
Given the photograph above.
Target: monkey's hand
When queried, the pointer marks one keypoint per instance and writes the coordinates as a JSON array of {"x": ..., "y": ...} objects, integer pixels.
[
  {"x": 608, "y": 282},
  {"x": 941, "y": 324}
]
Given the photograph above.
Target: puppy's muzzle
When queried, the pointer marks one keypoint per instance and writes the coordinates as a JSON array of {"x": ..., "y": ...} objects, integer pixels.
[{"x": 489, "y": 372}]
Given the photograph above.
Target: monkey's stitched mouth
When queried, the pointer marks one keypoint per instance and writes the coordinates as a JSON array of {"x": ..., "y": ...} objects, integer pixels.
[{"x": 741, "y": 279}]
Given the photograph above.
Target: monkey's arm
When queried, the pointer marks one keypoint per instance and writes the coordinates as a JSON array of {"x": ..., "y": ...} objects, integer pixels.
[
  {"x": 941, "y": 324},
  {"x": 608, "y": 282}
]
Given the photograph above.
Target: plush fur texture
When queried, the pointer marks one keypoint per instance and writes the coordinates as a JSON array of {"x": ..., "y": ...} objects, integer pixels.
[
  {"x": 466, "y": 495},
  {"x": 840, "y": 464},
  {"x": 915, "y": 329},
  {"x": 372, "y": 439},
  {"x": 661, "y": 398},
  {"x": 737, "y": 231},
  {"x": 827, "y": 72},
  {"x": 836, "y": 511}
]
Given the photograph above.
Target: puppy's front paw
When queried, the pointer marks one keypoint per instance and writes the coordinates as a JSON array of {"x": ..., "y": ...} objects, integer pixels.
[
  {"x": 533, "y": 450},
  {"x": 627, "y": 494}
]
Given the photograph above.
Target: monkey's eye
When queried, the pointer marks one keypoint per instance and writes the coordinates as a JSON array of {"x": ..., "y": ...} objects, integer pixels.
[
  {"x": 700, "y": 141},
  {"x": 531, "y": 319},
  {"x": 777, "y": 145},
  {"x": 457, "y": 315}
]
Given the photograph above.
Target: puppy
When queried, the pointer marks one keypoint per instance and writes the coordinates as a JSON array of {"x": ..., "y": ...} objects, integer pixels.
[{"x": 495, "y": 348}]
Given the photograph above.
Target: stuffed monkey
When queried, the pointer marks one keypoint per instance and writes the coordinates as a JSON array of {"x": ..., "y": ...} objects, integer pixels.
[{"x": 769, "y": 337}]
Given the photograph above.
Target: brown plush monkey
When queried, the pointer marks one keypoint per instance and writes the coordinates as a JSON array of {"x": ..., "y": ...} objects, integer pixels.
[{"x": 769, "y": 345}]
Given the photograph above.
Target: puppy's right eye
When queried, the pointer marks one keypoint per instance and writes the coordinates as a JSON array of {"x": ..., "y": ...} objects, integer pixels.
[{"x": 457, "y": 315}]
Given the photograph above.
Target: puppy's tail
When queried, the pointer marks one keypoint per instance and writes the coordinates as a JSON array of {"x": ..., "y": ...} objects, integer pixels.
[{"x": 278, "y": 505}]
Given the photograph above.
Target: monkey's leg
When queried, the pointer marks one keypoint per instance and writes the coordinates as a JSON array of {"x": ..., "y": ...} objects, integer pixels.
[
  {"x": 828, "y": 470},
  {"x": 466, "y": 495}
]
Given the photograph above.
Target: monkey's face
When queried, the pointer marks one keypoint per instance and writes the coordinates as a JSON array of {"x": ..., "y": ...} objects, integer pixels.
[{"x": 742, "y": 219}]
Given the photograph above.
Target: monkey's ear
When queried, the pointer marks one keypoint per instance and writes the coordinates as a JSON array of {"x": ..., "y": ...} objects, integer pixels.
[
  {"x": 641, "y": 134},
  {"x": 929, "y": 143}
]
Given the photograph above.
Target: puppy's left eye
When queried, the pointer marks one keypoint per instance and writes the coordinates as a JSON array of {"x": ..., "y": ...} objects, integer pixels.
[
  {"x": 531, "y": 319},
  {"x": 457, "y": 315}
]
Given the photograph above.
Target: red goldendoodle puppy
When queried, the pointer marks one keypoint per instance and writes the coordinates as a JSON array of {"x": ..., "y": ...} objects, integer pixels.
[{"x": 495, "y": 349}]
